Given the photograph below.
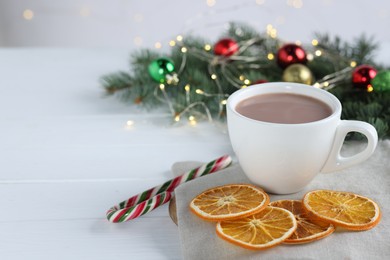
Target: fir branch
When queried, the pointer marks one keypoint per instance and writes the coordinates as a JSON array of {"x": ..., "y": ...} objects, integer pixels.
[
  {"x": 362, "y": 50},
  {"x": 197, "y": 94},
  {"x": 116, "y": 81}
]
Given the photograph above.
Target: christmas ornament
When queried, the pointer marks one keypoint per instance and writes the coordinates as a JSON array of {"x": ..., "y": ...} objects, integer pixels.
[
  {"x": 362, "y": 76},
  {"x": 148, "y": 200},
  {"x": 381, "y": 82},
  {"x": 290, "y": 54},
  {"x": 260, "y": 81},
  {"x": 226, "y": 47},
  {"x": 208, "y": 79},
  {"x": 160, "y": 69},
  {"x": 298, "y": 73}
]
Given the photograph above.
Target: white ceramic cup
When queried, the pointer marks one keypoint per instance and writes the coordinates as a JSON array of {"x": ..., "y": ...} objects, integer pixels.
[{"x": 284, "y": 158}]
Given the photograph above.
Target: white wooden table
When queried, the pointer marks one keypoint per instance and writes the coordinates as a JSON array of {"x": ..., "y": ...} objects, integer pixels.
[{"x": 66, "y": 156}]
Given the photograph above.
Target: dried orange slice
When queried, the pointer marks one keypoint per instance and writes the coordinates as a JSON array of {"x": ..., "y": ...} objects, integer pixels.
[
  {"x": 262, "y": 230},
  {"x": 229, "y": 202},
  {"x": 344, "y": 209},
  {"x": 308, "y": 230}
]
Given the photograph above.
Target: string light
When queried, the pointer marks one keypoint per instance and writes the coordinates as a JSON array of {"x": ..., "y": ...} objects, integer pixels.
[
  {"x": 353, "y": 64},
  {"x": 295, "y": 3},
  {"x": 187, "y": 89},
  {"x": 298, "y": 4},
  {"x": 28, "y": 14},
  {"x": 199, "y": 91},
  {"x": 326, "y": 84},
  {"x": 165, "y": 99},
  {"x": 190, "y": 108},
  {"x": 210, "y": 3},
  {"x": 331, "y": 80},
  {"x": 193, "y": 122},
  {"x": 271, "y": 31},
  {"x": 260, "y": 2},
  {"x": 129, "y": 124},
  {"x": 370, "y": 88},
  {"x": 243, "y": 83},
  {"x": 318, "y": 53},
  {"x": 138, "y": 40}
]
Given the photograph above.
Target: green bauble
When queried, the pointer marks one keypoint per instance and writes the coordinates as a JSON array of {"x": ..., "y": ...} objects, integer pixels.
[
  {"x": 381, "y": 82},
  {"x": 160, "y": 68}
]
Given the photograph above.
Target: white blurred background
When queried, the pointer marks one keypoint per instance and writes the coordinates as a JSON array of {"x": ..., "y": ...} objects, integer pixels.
[{"x": 133, "y": 24}]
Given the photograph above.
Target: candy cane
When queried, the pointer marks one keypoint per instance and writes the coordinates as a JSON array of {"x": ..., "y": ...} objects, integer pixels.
[{"x": 150, "y": 199}]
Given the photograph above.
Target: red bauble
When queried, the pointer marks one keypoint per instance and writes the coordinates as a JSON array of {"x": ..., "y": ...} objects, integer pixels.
[
  {"x": 290, "y": 54},
  {"x": 226, "y": 47},
  {"x": 260, "y": 81},
  {"x": 362, "y": 76}
]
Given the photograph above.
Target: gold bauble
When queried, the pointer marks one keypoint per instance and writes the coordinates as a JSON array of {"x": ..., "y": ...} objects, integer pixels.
[{"x": 298, "y": 73}]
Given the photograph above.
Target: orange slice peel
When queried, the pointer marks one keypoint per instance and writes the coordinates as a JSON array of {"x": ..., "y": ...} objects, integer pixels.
[
  {"x": 344, "y": 209},
  {"x": 262, "y": 230},
  {"x": 229, "y": 202},
  {"x": 308, "y": 229}
]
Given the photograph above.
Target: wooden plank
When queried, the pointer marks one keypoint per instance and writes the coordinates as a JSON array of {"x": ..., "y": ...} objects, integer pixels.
[
  {"x": 102, "y": 147},
  {"x": 66, "y": 220},
  {"x": 144, "y": 161},
  {"x": 148, "y": 238},
  {"x": 67, "y": 200},
  {"x": 110, "y": 131}
]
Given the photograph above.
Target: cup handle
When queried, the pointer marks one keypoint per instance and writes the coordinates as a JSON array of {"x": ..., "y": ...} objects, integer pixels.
[{"x": 337, "y": 162}]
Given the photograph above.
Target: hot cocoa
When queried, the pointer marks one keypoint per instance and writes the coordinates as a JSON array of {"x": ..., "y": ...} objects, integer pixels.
[{"x": 283, "y": 108}]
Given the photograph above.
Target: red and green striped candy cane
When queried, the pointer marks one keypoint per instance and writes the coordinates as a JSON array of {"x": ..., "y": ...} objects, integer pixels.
[{"x": 150, "y": 199}]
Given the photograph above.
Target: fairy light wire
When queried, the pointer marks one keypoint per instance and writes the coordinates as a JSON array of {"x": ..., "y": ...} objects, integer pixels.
[
  {"x": 331, "y": 80},
  {"x": 166, "y": 99},
  {"x": 198, "y": 103},
  {"x": 220, "y": 64}
]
